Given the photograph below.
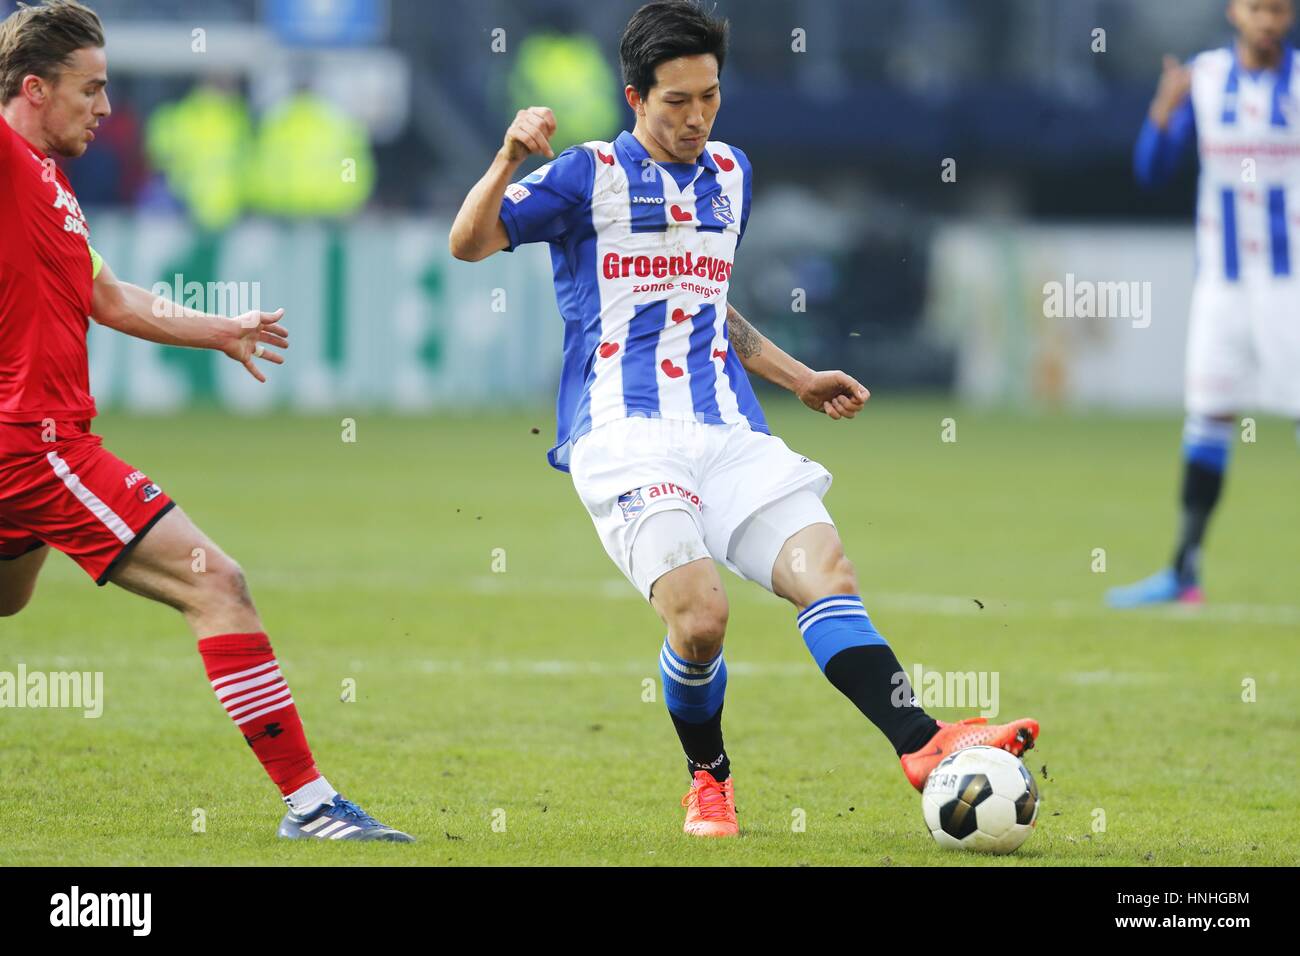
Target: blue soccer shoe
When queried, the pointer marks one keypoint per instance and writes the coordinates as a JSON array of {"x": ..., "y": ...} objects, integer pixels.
[
  {"x": 1163, "y": 587},
  {"x": 339, "y": 820}
]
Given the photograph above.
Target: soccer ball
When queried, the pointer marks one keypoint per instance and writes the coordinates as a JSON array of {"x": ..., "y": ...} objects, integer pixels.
[{"x": 980, "y": 798}]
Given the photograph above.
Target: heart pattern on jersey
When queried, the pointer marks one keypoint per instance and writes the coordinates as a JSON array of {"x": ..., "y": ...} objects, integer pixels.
[
  {"x": 720, "y": 353},
  {"x": 680, "y": 214},
  {"x": 724, "y": 164},
  {"x": 607, "y": 160},
  {"x": 671, "y": 370},
  {"x": 679, "y": 315},
  {"x": 607, "y": 349}
]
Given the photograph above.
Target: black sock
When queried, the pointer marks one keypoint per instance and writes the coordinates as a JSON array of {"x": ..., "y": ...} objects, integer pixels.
[
  {"x": 872, "y": 678},
  {"x": 703, "y": 745},
  {"x": 1201, "y": 488}
]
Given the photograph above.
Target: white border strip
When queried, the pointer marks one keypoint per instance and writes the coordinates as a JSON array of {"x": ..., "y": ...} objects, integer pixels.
[{"x": 88, "y": 498}]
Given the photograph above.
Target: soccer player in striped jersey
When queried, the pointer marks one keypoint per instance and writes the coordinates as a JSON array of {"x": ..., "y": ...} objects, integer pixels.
[
  {"x": 666, "y": 444},
  {"x": 1241, "y": 105},
  {"x": 58, "y": 485}
]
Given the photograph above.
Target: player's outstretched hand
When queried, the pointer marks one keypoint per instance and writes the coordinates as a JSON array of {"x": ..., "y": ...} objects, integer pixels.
[
  {"x": 1175, "y": 86},
  {"x": 834, "y": 393},
  {"x": 531, "y": 132},
  {"x": 249, "y": 340}
]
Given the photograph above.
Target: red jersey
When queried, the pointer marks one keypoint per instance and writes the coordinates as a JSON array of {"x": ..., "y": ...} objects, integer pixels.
[{"x": 45, "y": 289}]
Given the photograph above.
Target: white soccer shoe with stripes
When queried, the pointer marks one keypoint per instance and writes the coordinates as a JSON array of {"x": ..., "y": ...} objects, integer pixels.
[{"x": 339, "y": 820}]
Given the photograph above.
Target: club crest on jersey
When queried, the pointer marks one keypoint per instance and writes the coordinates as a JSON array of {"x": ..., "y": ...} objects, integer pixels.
[
  {"x": 722, "y": 209},
  {"x": 632, "y": 503}
]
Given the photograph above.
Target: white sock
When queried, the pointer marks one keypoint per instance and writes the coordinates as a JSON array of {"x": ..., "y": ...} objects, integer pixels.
[{"x": 310, "y": 796}]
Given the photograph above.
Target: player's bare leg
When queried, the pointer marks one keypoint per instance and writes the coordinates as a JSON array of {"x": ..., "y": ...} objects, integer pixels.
[
  {"x": 18, "y": 579},
  {"x": 692, "y": 604},
  {"x": 813, "y": 573},
  {"x": 178, "y": 565},
  {"x": 812, "y": 565}
]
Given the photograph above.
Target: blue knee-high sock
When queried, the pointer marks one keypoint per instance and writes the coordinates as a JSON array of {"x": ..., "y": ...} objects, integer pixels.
[
  {"x": 862, "y": 666},
  {"x": 693, "y": 692},
  {"x": 1206, "y": 444}
]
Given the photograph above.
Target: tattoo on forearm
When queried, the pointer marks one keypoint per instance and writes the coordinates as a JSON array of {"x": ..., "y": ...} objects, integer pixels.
[{"x": 745, "y": 339}]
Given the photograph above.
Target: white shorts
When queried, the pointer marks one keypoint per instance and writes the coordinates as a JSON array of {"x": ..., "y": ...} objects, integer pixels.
[
  {"x": 630, "y": 469},
  {"x": 1243, "y": 347}
]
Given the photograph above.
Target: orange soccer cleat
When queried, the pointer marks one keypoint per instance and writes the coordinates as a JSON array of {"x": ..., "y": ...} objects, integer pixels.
[
  {"x": 1015, "y": 737},
  {"x": 710, "y": 807}
]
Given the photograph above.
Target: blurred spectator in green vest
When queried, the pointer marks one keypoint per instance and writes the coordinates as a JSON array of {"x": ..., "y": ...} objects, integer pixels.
[
  {"x": 569, "y": 74},
  {"x": 201, "y": 145},
  {"x": 311, "y": 160}
]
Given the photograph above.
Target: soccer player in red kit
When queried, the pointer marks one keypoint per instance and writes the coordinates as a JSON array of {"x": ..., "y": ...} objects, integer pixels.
[{"x": 58, "y": 485}]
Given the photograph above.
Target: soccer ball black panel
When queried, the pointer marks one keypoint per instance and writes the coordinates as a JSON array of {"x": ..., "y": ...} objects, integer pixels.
[
  {"x": 980, "y": 798},
  {"x": 1027, "y": 802},
  {"x": 957, "y": 816}
]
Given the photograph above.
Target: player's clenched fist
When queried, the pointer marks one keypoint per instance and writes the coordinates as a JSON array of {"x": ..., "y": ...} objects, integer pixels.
[
  {"x": 530, "y": 133},
  {"x": 1175, "y": 85},
  {"x": 834, "y": 393}
]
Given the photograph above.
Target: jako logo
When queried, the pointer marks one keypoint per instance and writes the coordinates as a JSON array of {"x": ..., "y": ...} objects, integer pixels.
[{"x": 103, "y": 909}]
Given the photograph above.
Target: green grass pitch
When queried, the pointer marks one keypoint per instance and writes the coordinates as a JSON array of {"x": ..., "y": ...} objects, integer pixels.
[{"x": 499, "y": 715}]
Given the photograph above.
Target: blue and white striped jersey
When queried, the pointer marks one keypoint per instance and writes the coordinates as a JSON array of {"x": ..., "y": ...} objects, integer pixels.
[
  {"x": 1247, "y": 126},
  {"x": 642, "y": 253}
]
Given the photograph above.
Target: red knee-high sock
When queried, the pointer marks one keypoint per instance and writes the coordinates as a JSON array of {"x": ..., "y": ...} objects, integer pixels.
[{"x": 247, "y": 681}]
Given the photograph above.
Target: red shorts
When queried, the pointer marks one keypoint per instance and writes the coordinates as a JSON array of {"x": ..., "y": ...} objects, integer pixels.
[{"x": 59, "y": 486}]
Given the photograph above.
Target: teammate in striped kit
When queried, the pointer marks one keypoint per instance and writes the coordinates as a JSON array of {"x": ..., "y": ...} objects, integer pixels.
[
  {"x": 58, "y": 485},
  {"x": 657, "y": 423},
  {"x": 1242, "y": 106}
]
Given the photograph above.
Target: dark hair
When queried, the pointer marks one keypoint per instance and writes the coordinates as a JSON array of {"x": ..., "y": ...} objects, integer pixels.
[
  {"x": 39, "y": 40},
  {"x": 664, "y": 30}
]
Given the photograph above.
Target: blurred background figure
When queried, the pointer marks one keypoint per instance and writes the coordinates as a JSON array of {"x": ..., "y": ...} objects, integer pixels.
[
  {"x": 570, "y": 72},
  {"x": 310, "y": 159},
  {"x": 200, "y": 144}
]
